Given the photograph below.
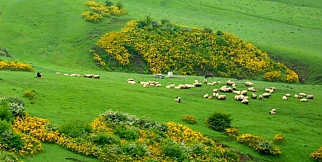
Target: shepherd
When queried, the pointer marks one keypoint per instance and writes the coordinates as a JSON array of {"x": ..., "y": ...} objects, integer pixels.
[
  {"x": 38, "y": 75},
  {"x": 209, "y": 75}
]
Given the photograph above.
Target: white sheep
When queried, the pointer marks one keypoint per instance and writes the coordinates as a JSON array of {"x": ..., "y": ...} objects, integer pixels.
[
  {"x": 296, "y": 96},
  {"x": 254, "y": 96},
  {"x": 303, "y": 100},
  {"x": 158, "y": 85},
  {"x": 309, "y": 96},
  {"x": 145, "y": 85},
  {"x": 215, "y": 90},
  {"x": 131, "y": 82},
  {"x": 206, "y": 95},
  {"x": 96, "y": 76},
  {"x": 58, "y": 73},
  {"x": 245, "y": 101},
  {"x": 243, "y": 92},
  {"x": 266, "y": 95},
  {"x": 273, "y": 112},
  {"x": 249, "y": 84},
  {"x": 66, "y": 74},
  {"x": 288, "y": 95},
  {"x": 221, "y": 97},
  {"x": 284, "y": 97},
  {"x": 178, "y": 99},
  {"x": 260, "y": 97},
  {"x": 229, "y": 82}
]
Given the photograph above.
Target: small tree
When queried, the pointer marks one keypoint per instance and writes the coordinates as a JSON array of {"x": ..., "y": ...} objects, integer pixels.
[{"x": 219, "y": 121}]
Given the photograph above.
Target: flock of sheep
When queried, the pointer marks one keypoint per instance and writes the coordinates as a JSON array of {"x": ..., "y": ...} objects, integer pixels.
[
  {"x": 94, "y": 76},
  {"x": 241, "y": 95}
]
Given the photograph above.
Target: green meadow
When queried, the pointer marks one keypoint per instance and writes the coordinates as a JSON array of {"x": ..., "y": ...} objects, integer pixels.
[{"x": 53, "y": 37}]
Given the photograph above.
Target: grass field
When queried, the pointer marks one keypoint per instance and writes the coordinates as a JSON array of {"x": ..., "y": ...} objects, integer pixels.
[{"x": 53, "y": 37}]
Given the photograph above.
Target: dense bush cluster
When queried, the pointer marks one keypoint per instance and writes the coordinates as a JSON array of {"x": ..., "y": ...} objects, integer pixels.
[
  {"x": 159, "y": 47},
  {"x": 15, "y": 65},
  {"x": 259, "y": 144},
  {"x": 219, "y": 121},
  {"x": 189, "y": 119},
  {"x": 98, "y": 10}
]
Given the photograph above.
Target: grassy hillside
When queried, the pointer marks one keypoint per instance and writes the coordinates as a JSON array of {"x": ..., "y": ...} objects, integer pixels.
[
  {"x": 61, "y": 99},
  {"x": 52, "y": 37}
]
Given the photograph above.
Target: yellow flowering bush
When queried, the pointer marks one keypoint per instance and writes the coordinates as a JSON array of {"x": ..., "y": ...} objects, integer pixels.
[
  {"x": 36, "y": 127},
  {"x": 259, "y": 144},
  {"x": 233, "y": 132},
  {"x": 278, "y": 138},
  {"x": 97, "y": 10},
  {"x": 15, "y": 65},
  {"x": 167, "y": 47},
  {"x": 317, "y": 155}
]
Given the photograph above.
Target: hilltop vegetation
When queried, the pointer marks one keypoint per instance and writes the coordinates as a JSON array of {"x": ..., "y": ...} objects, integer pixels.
[{"x": 148, "y": 46}]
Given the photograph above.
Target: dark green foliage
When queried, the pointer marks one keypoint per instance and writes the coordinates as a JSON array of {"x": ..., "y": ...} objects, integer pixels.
[
  {"x": 75, "y": 128},
  {"x": 108, "y": 3},
  {"x": 4, "y": 125},
  {"x": 8, "y": 157},
  {"x": 219, "y": 121},
  {"x": 119, "y": 5},
  {"x": 103, "y": 138},
  {"x": 12, "y": 140},
  {"x": 172, "y": 149},
  {"x": 207, "y": 30},
  {"x": 126, "y": 132},
  {"x": 135, "y": 149},
  {"x": 5, "y": 113}
]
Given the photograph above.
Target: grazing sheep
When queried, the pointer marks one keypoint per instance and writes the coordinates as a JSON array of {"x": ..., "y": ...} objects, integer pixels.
[
  {"x": 309, "y": 96},
  {"x": 296, "y": 96},
  {"x": 252, "y": 89},
  {"x": 130, "y": 79},
  {"x": 88, "y": 75},
  {"x": 145, "y": 85},
  {"x": 249, "y": 84},
  {"x": 288, "y": 95},
  {"x": 158, "y": 85},
  {"x": 273, "y": 112},
  {"x": 221, "y": 97},
  {"x": 243, "y": 92},
  {"x": 215, "y": 90},
  {"x": 303, "y": 94},
  {"x": 197, "y": 84},
  {"x": 210, "y": 97},
  {"x": 206, "y": 95},
  {"x": 284, "y": 98},
  {"x": 205, "y": 81},
  {"x": 303, "y": 100},
  {"x": 58, "y": 73},
  {"x": 38, "y": 75},
  {"x": 236, "y": 92},
  {"x": 245, "y": 101},
  {"x": 260, "y": 97},
  {"x": 131, "y": 82},
  {"x": 254, "y": 96},
  {"x": 178, "y": 99},
  {"x": 96, "y": 76},
  {"x": 66, "y": 74},
  {"x": 229, "y": 82},
  {"x": 266, "y": 95},
  {"x": 74, "y": 75}
]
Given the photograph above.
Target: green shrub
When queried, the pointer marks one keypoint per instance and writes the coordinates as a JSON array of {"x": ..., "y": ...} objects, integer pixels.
[
  {"x": 5, "y": 113},
  {"x": 127, "y": 132},
  {"x": 173, "y": 150},
  {"x": 8, "y": 157},
  {"x": 136, "y": 149},
  {"x": 103, "y": 138},
  {"x": 108, "y": 3},
  {"x": 4, "y": 125},
  {"x": 119, "y": 5},
  {"x": 75, "y": 128},
  {"x": 189, "y": 119},
  {"x": 11, "y": 140},
  {"x": 219, "y": 121}
]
